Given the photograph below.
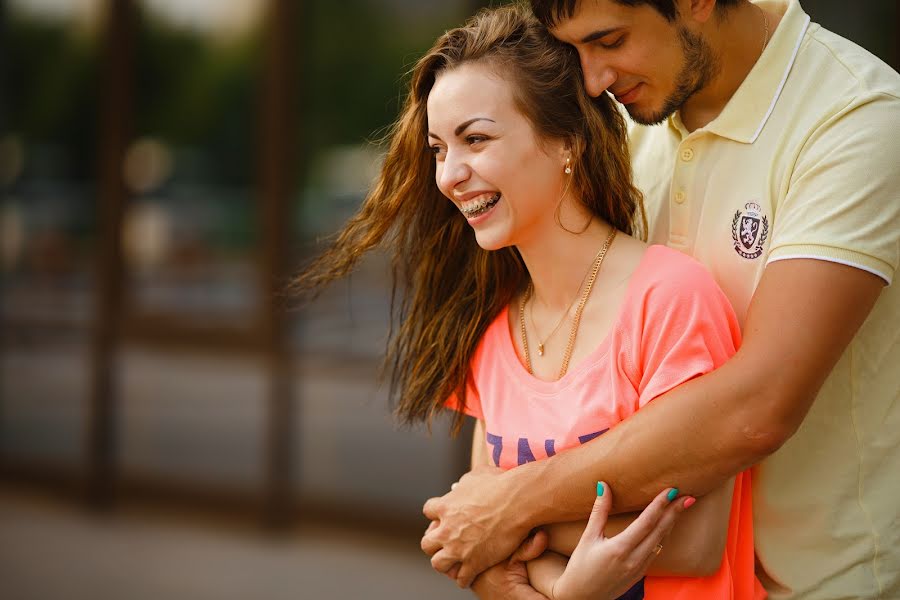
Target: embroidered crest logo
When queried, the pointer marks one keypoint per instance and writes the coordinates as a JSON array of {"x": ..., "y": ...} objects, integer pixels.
[{"x": 749, "y": 229}]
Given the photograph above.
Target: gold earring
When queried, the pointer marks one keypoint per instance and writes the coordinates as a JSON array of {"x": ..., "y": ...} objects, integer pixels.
[{"x": 568, "y": 169}]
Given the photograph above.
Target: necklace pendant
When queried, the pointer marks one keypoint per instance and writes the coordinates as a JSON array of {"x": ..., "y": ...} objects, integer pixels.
[{"x": 540, "y": 349}]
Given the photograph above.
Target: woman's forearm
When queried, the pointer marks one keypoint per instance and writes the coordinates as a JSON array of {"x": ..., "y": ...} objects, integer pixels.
[
  {"x": 694, "y": 548},
  {"x": 545, "y": 570}
]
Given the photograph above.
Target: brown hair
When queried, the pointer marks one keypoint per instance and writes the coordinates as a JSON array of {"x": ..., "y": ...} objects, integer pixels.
[{"x": 449, "y": 288}]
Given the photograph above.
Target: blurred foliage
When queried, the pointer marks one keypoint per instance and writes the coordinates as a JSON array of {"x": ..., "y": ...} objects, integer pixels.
[
  {"x": 353, "y": 56},
  {"x": 49, "y": 80},
  {"x": 195, "y": 91}
]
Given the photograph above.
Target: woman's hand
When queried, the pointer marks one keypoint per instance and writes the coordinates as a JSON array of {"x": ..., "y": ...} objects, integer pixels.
[{"x": 604, "y": 567}]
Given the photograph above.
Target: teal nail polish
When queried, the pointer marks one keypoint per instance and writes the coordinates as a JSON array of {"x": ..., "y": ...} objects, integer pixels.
[
  {"x": 673, "y": 493},
  {"x": 599, "y": 489}
]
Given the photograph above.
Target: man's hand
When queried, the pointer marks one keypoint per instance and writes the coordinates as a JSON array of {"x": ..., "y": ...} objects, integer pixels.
[
  {"x": 509, "y": 579},
  {"x": 477, "y": 525}
]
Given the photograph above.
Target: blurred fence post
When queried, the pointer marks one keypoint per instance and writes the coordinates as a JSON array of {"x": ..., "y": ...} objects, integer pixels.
[
  {"x": 276, "y": 151},
  {"x": 116, "y": 111}
]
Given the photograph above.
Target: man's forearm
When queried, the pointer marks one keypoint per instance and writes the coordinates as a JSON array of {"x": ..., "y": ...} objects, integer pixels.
[{"x": 683, "y": 439}]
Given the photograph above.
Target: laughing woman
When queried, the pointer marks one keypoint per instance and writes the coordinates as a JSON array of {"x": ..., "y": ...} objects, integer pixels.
[{"x": 530, "y": 304}]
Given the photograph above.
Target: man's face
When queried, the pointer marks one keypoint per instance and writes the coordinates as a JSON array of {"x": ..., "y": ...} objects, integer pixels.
[{"x": 651, "y": 65}]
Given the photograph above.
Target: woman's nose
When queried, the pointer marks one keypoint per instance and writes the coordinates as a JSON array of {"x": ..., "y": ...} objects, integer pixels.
[{"x": 453, "y": 172}]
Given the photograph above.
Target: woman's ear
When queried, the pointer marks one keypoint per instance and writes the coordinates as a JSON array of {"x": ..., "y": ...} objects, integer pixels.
[
  {"x": 566, "y": 152},
  {"x": 571, "y": 152}
]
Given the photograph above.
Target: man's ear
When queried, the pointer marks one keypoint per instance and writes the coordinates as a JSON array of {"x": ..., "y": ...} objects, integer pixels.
[{"x": 698, "y": 10}]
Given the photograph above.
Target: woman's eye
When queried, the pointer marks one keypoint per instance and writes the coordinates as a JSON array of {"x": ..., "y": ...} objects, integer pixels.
[
  {"x": 436, "y": 150},
  {"x": 474, "y": 139}
]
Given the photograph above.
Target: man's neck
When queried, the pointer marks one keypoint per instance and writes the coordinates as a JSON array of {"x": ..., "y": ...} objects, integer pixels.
[{"x": 738, "y": 39}]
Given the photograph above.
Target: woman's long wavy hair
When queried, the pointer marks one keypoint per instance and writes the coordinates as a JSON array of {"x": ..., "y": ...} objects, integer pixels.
[{"x": 449, "y": 289}]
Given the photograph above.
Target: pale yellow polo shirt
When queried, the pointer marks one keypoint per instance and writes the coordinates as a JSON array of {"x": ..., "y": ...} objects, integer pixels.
[{"x": 804, "y": 162}]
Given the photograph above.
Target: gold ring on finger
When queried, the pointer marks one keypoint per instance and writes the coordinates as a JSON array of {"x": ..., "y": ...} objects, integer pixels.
[{"x": 657, "y": 549}]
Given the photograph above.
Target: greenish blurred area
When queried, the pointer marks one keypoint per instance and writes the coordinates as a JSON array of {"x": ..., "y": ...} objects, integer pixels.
[{"x": 197, "y": 89}]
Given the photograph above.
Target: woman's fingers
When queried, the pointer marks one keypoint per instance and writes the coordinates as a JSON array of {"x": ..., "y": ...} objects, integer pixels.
[
  {"x": 599, "y": 513},
  {"x": 647, "y": 521},
  {"x": 648, "y": 547}
]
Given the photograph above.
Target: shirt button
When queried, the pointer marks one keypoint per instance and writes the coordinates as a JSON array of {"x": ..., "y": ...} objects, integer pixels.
[
  {"x": 687, "y": 155},
  {"x": 679, "y": 197}
]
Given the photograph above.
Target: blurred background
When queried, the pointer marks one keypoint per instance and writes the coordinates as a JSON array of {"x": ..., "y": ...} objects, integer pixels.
[{"x": 168, "y": 423}]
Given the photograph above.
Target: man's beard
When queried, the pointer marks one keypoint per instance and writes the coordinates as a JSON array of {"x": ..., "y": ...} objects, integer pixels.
[{"x": 700, "y": 66}]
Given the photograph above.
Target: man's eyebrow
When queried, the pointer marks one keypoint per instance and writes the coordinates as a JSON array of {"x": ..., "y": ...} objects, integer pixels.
[
  {"x": 598, "y": 34},
  {"x": 462, "y": 127}
]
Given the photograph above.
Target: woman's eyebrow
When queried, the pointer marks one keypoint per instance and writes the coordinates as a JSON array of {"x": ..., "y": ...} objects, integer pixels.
[{"x": 462, "y": 127}]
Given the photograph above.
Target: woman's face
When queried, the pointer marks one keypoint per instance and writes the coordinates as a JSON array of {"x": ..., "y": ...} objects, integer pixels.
[{"x": 490, "y": 163}]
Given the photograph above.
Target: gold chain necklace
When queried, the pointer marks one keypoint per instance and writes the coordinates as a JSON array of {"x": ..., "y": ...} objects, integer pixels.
[
  {"x": 541, "y": 343},
  {"x": 576, "y": 320}
]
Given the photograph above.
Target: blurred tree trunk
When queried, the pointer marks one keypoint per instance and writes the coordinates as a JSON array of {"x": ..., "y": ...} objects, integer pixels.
[
  {"x": 116, "y": 121},
  {"x": 277, "y": 130}
]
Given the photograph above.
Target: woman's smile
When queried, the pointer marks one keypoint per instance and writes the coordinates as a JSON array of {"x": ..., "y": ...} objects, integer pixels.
[{"x": 479, "y": 205}]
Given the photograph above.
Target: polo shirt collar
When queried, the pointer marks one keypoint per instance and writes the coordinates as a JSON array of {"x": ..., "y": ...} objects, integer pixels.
[{"x": 745, "y": 115}]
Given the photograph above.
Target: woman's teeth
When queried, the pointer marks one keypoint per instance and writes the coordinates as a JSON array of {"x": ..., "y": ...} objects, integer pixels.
[{"x": 481, "y": 204}]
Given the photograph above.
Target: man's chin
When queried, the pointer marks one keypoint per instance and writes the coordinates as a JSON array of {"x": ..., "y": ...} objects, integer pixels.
[{"x": 645, "y": 117}]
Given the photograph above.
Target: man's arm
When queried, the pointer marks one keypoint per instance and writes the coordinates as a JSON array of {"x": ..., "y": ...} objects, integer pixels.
[{"x": 803, "y": 315}]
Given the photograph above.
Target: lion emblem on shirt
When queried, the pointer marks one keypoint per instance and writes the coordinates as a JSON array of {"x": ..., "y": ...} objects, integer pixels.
[{"x": 749, "y": 230}]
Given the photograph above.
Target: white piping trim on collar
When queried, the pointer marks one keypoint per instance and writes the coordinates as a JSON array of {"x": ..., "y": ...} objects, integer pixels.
[{"x": 783, "y": 80}]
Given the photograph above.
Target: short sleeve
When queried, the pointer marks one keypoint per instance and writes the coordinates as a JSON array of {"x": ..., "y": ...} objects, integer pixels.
[
  {"x": 472, "y": 405},
  {"x": 685, "y": 327},
  {"x": 473, "y": 401},
  {"x": 843, "y": 204}
]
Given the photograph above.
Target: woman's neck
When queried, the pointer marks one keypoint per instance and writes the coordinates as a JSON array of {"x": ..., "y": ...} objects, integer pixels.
[{"x": 559, "y": 261}]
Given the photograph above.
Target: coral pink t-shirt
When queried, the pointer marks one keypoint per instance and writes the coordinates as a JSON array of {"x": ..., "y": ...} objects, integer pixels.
[{"x": 674, "y": 324}]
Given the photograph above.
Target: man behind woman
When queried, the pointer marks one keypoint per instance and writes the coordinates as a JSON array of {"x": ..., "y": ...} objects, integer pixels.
[{"x": 774, "y": 163}]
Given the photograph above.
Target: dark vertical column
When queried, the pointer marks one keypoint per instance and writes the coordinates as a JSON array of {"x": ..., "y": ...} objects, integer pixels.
[
  {"x": 115, "y": 130},
  {"x": 895, "y": 61},
  {"x": 5, "y": 125},
  {"x": 276, "y": 152}
]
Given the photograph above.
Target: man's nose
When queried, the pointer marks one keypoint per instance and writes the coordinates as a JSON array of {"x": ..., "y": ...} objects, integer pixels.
[{"x": 597, "y": 77}]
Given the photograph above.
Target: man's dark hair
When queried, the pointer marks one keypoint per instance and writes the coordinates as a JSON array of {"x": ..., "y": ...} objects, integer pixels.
[{"x": 551, "y": 12}]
